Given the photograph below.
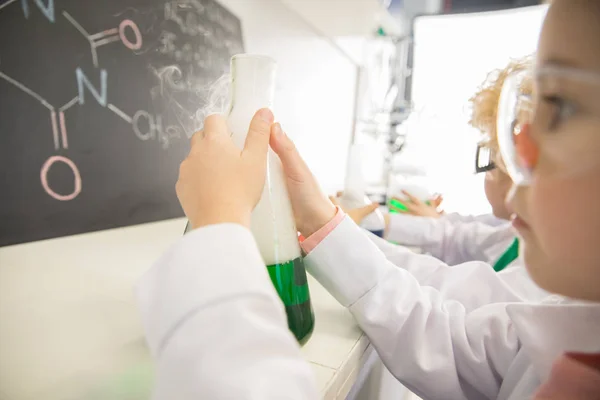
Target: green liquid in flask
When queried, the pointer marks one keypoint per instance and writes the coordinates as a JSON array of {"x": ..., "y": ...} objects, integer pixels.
[
  {"x": 291, "y": 284},
  {"x": 290, "y": 281}
]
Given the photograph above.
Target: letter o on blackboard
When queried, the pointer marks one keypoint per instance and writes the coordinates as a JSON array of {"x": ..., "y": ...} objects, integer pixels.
[
  {"x": 136, "y": 31},
  {"x": 76, "y": 177},
  {"x": 136, "y": 127}
]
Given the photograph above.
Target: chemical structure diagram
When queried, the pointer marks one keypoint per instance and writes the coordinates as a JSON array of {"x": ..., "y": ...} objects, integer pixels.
[{"x": 154, "y": 128}]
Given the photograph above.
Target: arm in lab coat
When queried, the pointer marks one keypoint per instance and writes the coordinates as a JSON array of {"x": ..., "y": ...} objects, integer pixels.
[
  {"x": 488, "y": 219},
  {"x": 514, "y": 285},
  {"x": 453, "y": 242},
  {"x": 215, "y": 325},
  {"x": 429, "y": 271},
  {"x": 434, "y": 346}
]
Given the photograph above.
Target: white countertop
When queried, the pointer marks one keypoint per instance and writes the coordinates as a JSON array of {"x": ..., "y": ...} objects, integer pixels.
[{"x": 69, "y": 327}]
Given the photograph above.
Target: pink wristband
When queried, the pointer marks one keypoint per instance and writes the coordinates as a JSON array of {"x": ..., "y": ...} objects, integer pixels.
[{"x": 313, "y": 240}]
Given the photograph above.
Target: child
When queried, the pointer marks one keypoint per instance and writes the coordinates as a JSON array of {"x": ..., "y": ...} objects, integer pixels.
[
  {"x": 217, "y": 331},
  {"x": 436, "y": 346},
  {"x": 456, "y": 239}
]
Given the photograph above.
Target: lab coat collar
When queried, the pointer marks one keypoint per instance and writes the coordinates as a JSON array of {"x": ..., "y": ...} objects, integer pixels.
[
  {"x": 498, "y": 242},
  {"x": 556, "y": 326}
]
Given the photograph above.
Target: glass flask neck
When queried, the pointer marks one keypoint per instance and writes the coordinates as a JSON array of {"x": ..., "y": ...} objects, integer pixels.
[{"x": 252, "y": 82}]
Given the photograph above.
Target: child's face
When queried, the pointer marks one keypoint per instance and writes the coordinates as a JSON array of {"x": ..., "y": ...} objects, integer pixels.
[
  {"x": 497, "y": 185},
  {"x": 559, "y": 212}
]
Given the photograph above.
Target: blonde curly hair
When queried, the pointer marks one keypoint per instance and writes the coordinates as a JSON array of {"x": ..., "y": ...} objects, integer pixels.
[{"x": 484, "y": 103}]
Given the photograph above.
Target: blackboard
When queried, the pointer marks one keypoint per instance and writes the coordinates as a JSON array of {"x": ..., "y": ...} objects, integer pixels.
[{"x": 98, "y": 99}]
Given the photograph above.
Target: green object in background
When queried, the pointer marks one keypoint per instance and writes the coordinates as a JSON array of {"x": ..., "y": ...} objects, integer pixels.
[
  {"x": 291, "y": 284},
  {"x": 398, "y": 207},
  {"x": 134, "y": 383},
  {"x": 509, "y": 256}
]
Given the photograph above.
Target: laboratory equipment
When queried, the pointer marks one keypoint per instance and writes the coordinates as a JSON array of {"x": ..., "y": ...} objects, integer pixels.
[
  {"x": 384, "y": 103},
  {"x": 354, "y": 195},
  {"x": 272, "y": 224},
  {"x": 410, "y": 179}
]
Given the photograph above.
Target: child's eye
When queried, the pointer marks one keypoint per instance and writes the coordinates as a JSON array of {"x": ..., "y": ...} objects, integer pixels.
[{"x": 559, "y": 110}]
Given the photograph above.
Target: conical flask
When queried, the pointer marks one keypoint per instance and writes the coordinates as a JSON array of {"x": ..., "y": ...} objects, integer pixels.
[{"x": 272, "y": 223}]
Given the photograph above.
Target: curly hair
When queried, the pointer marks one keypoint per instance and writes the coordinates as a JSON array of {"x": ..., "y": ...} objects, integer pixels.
[{"x": 484, "y": 103}]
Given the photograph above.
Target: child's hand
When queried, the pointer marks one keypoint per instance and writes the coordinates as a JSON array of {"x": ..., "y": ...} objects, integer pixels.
[
  {"x": 218, "y": 183},
  {"x": 419, "y": 208},
  {"x": 312, "y": 209},
  {"x": 357, "y": 214}
]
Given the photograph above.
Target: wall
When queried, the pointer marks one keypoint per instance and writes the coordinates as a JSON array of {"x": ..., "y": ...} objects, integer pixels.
[
  {"x": 440, "y": 136},
  {"x": 66, "y": 303},
  {"x": 348, "y": 23}
]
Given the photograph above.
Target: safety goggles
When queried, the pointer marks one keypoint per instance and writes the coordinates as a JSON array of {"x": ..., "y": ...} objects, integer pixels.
[
  {"x": 519, "y": 115},
  {"x": 484, "y": 159}
]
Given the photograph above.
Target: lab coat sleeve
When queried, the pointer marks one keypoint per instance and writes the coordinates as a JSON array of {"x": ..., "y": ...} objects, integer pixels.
[
  {"x": 488, "y": 219},
  {"x": 215, "y": 325},
  {"x": 433, "y": 345},
  {"x": 429, "y": 271},
  {"x": 453, "y": 242}
]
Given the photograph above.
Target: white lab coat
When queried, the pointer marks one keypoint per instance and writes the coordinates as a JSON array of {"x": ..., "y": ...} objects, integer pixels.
[
  {"x": 218, "y": 332},
  {"x": 215, "y": 325},
  {"x": 453, "y": 240},
  {"x": 429, "y": 271},
  {"x": 438, "y": 347},
  {"x": 456, "y": 239},
  {"x": 489, "y": 219}
]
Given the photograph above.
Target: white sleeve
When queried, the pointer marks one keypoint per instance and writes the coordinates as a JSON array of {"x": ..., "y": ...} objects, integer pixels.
[
  {"x": 488, "y": 219},
  {"x": 434, "y": 346},
  {"x": 453, "y": 242},
  {"x": 429, "y": 271},
  {"x": 456, "y": 217},
  {"x": 214, "y": 323}
]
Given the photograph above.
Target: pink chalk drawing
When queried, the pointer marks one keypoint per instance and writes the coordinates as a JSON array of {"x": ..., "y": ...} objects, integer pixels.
[
  {"x": 54, "y": 129},
  {"x": 63, "y": 130},
  {"x": 108, "y": 36},
  {"x": 136, "y": 31},
  {"x": 44, "y": 178},
  {"x": 154, "y": 129}
]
